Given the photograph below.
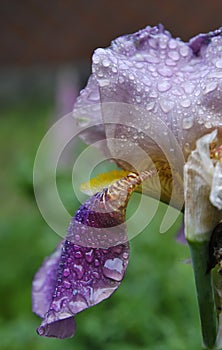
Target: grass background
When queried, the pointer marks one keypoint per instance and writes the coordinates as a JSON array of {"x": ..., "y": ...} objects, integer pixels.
[{"x": 154, "y": 308}]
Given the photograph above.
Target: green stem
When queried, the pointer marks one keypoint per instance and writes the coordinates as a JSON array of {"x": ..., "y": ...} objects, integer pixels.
[{"x": 205, "y": 294}]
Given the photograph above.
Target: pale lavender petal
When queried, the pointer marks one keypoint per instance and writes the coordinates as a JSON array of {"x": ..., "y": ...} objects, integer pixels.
[
  {"x": 44, "y": 283},
  {"x": 180, "y": 83},
  {"x": 90, "y": 100}
]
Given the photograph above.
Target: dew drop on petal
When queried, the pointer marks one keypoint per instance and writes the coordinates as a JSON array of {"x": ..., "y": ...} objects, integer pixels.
[
  {"x": 78, "y": 255},
  {"x": 41, "y": 330},
  {"x": 96, "y": 275},
  {"x": 163, "y": 85},
  {"x": 78, "y": 303},
  {"x": 96, "y": 59},
  {"x": 210, "y": 87},
  {"x": 166, "y": 105},
  {"x": 66, "y": 272},
  {"x": 185, "y": 103},
  {"x": 174, "y": 55},
  {"x": 96, "y": 263},
  {"x": 165, "y": 71},
  {"x": 208, "y": 125},
  {"x": 172, "y": 44},
  {"x": 184, "y": 51},
  {"x": 79, "y": 270},
  {"x": 66, "y": 284},
  {"x": 218, "y": 63},
  {"x": 186, "y": 147},
  {"x": 113, "y": 269},
  {"x": 103, "y": 82},
  {"x": 89, "y": 256},
  {"x": 106, "y": 63},
  {"x": 150, "y": 106},
  {"x": 187, "y": 123},
  {"x": 125, "y": 255}
]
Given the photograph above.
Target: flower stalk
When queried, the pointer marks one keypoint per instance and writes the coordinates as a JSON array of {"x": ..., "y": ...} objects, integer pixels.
[{"x": 205, "y": 293}]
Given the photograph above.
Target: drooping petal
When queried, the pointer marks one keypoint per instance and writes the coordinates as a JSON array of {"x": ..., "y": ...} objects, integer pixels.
[
  {"x": 85, "y": 276},
  {"x": 90, "y": 264}
]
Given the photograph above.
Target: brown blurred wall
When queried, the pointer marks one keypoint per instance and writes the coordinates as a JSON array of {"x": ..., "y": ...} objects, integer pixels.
[{"x": 52, "y": 31}]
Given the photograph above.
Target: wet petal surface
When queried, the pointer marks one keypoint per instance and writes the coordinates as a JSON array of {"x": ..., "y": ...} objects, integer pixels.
[
  {"x": 180, "y": 83},
  {"x": 90, "y": 264}
]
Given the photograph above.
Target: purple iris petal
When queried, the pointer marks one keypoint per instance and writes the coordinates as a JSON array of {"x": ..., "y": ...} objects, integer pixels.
[
  {"x": 84, "y": 277},
  {"x": 181, "y": 83},
  {"x": 90, "y": 264}
]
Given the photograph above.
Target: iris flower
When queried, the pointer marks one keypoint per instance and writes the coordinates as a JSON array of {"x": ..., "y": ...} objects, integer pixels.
[{"x": 154, "y": 93}]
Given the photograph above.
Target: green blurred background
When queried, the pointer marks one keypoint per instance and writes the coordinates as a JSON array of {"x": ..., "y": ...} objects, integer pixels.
[{"x": 44, "y": 62}]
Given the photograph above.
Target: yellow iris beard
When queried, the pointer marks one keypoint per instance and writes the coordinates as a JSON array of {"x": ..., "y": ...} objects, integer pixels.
[{"x": 101, "y": 181}]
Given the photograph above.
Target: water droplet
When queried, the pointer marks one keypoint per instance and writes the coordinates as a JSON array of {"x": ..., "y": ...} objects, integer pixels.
[
  {"x": 150, "y": 106},
  {"x": 121, "y": 80},
  {"x": 218, "y": 63},
  {"x": 94, "y": 96},
  {"x": 105, "y": 63},
  {"x": 103, "y": 82},
  {"x": 41, "y": 330},
  {"x": 96, "y": 275},
  {"x": 66, "y": 284},
  {"x": 185, "y": 103},
  {"x": 211, "y": 86},
  {"x": 208, "y": 125},
  {"x": 96, "y": 59},
  {"x": 163, "y": 85},
  {"x": 114, "y": 69},
  {"x": 166, "y": 105},
  {"x": 170, "y": 62},
  {"x": 153, "y": 43},
  {"x": 188, "y": 87},
  {"x": 89, "y": 256},
  {"x": 100, "y": 73},
  {"x": 187, "y": 123},
  {"x": 113, "y": 268},
  {"x": 78, "y": 269},
  {"x": 96, "y": 263},
  {"x": 78, "y": 255},
  {"x": 165, "y": 71},
  {"x": 174, "y": 55},
  {"x": 163, "y": 42},
  {"x": 78, "y": 303},
  {"x": 77, "y": 237},
  {"x": 139, "y": 65},
  {"x": 151, "y": 58},
  {"x": 66, "y": 272},
  {"x": 184, "y": 51},
  {"x": 117, "y": 249},
  {"x": 172, "y": 44},
  {"x": 56, "y": 305},
  {"x": 131, "y": 76},
  {"x": 186, "y": 147},
  {"x": 153, "y": 94},
  {"x": 125, "y": 255},
  {"x": 138, "y": 99}
]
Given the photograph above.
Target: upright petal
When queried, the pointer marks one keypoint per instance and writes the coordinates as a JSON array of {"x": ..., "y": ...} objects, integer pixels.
[{"x": 180, "y": 83}]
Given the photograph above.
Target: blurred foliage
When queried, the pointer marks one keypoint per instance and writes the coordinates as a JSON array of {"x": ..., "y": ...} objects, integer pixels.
[{"x": 154, "y": 308}]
